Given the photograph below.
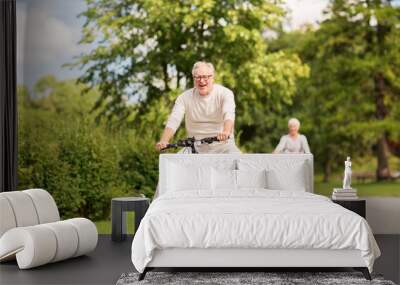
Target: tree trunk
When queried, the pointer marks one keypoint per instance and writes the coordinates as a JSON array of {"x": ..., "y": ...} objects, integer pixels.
[
  {"x": 382, "y": 171},
  {"x": 178, "y": 79},
  {"x": 379, "y": 33},
  {"x": 166, "y": 77},
  {"x": 327, "y": 171},
  {"x": 381, "y": 112}
]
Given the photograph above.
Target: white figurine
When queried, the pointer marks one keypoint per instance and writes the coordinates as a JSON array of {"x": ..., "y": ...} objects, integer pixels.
[{"x": 347, "y": 174}]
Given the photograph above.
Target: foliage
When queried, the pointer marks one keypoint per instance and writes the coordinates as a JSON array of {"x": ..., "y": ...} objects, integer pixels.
[
  {"x": 142, "y": 62},
  {"x": 351, "y": 100},
  {"x": 145, "y": 54},
  {"x": 81, "y": 164}
]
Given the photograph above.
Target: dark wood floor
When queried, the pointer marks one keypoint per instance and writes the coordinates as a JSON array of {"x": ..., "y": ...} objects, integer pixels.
[
  {"x": 103, "y": 266},
  {"x": 111, "y": 259}
]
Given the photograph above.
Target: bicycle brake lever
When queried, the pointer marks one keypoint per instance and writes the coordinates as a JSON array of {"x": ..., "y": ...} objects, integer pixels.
[{"x": 169, "y": 146}]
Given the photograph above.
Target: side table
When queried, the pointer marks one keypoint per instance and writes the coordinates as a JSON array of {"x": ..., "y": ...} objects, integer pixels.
[
  {"x": 357, "y": 206},
  {"x": 119, "y": 207}
]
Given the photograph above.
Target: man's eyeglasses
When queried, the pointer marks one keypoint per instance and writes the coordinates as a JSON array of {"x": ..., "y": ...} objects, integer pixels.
[{"x": 200, "y": 77}]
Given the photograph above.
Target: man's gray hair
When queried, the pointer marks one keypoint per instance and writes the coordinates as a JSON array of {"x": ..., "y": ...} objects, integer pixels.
[
  {"x": 294, "y": 121},
  {"x": 200, "y": 63}
]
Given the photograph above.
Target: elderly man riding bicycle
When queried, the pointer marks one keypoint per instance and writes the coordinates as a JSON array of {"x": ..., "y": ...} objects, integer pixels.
[{"x": 209, "y": 110}]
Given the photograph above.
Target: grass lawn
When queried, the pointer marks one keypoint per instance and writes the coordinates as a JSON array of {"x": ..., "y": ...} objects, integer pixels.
[
  {"x": 364, "y": 189},
  {"x": 104, "y": 227},
  {"x": 391, "y": 189}
]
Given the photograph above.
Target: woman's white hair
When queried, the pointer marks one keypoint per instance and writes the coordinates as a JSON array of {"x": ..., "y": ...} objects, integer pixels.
[
  {"x": 294, "y": 121},
  {"x": 200, "y": 63}
]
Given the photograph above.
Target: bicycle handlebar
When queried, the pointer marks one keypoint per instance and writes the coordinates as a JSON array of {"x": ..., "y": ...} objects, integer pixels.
[{"x": 190, "y": 142}]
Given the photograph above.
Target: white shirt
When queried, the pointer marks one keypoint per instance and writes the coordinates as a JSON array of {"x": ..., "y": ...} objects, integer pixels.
[
  {"x": 287, "y": 144},
  {"x": 204, "y": 115}
]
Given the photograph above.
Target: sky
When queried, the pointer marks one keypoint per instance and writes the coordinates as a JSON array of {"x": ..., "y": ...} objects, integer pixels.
[
  {"x": 48, "y": 32},
  {"x": 305, "y": 11}
]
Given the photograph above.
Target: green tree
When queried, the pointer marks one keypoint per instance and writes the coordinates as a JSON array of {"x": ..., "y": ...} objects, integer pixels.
[
  {"x": 351, "y": 100},
  {"x": 82, "y": 164},
  {"x": 146, "y": 48}
]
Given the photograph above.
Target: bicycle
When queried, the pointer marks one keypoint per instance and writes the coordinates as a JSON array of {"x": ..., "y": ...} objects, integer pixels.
[{"x": 191, "y": 143}]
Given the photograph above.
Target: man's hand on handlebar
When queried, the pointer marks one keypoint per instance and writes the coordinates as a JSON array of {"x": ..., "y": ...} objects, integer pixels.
[
  {"x": 223, "y": 136},
  {"x": 161, "y": 144},
  {"x": 191, "y": 142}
]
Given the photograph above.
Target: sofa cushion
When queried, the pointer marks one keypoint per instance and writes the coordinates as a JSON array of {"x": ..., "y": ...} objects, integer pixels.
[
  {"x": 23, "y": 208},
  {"x": 87, "y": 235},
  {"x": 32, "y": 246},
  {"x": 67, "y": 239},
  {"x": 7, "y": 220},
  {"x": 45, "y": 205}
]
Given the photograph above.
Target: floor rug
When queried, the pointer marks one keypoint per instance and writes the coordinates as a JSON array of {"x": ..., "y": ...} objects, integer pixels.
[{"x": 244, "y": 278}]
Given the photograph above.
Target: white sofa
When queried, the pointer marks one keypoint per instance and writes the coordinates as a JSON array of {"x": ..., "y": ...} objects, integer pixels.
[{"x": 31, "y": 231}]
